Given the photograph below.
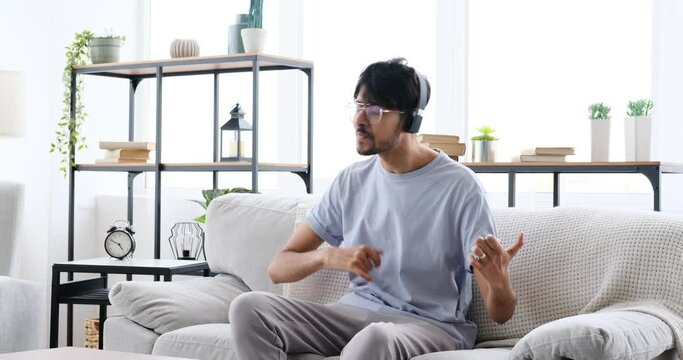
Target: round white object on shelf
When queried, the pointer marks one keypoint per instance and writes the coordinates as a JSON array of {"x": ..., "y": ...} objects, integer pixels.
[{"x": 184, "y": 48}]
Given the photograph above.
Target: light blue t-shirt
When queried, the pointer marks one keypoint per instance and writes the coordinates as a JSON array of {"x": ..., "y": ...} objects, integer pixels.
[{"x": 425, "y": 222}]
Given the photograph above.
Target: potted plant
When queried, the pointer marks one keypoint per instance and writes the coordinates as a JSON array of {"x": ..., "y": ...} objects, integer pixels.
[
  {"x": 638, "y": 130},
  {"x": 106, "y": 49},
  {"x": 68, "y": 132},
  {"x": 599, "y": 116},
  {"x": 484, "y": 145},
  {"x": 254, "y": 37},
  {"x": 211, "y": 194}
]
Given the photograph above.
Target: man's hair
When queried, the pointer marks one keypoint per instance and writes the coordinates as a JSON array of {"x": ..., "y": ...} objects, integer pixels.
[{"x": 391, "y": 84}]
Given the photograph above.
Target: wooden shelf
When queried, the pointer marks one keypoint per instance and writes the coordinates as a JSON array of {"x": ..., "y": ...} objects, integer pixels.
[
  {"x": 191, "y": 167},
  {"x": 194, "y": 65}
]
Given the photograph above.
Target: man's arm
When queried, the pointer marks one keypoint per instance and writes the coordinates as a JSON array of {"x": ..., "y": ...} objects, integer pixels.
[
  {"x": 301, "y": 257},
  {"x": 490, "y": 262}
]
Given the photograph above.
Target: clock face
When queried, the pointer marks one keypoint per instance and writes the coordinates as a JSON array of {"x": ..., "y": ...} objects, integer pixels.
[{"x": 118, "y": 244}]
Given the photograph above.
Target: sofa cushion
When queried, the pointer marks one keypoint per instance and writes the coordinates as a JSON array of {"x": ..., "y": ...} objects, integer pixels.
[
  {"x": 602, "y": 335},
  {"x": 121, "y": 334},
  {"x": 244, "y": 232},
  {"x": 167, "y": 306},
  {"x": 206, "y": 342}
]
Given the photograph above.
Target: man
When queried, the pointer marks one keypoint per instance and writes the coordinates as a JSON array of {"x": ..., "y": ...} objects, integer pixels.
[{"x": 407, "y": 224}]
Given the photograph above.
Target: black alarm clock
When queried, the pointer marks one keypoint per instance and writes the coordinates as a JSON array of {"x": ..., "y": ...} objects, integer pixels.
[{"x": 119, "y": 242}]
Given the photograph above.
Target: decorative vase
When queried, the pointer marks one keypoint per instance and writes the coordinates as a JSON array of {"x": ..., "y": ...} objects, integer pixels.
[
  {"x": 484, "y": 150},
  {"x": 184, "y": 48},
  {"x": 235, "y": 44},
  {"x": 187, "y": 241},
  {"x": 105, "y": 50},
  {"x": 254, "y": 39},
  {"x": 638, "y": 137},
  {"x": 600, "y": 134}
]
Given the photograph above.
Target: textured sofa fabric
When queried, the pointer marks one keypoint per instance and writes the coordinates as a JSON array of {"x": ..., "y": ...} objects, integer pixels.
[
  {"x": 244, "y": 232},
  {"x": 22, "y": 303}
]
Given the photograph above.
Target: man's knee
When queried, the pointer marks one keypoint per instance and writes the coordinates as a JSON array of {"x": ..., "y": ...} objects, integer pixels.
[
  {"x": 246, "y": 306},
  {"x": 375, "y": 341}
]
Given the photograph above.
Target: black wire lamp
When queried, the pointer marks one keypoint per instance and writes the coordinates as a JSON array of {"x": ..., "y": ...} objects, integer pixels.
[
  {"x": 236, "y": 137},
  {"x": 187, "y": 241}
]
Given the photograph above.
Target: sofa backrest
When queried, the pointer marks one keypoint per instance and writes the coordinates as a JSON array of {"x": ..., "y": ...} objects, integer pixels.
[
  {"x": 244, "y": 232},
  {"x": 11, "y": 195}
]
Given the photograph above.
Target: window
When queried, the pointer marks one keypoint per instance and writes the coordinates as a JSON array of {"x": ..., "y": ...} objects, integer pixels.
[
  {"x": 343, "y": 37},
  {"x": 535, "y": 66}
]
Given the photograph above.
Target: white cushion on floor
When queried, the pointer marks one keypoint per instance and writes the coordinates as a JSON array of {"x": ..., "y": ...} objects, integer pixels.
[{"x": 475, "y": 354}]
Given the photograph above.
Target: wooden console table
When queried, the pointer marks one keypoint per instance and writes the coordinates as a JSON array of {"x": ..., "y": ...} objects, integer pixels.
[{"x": 652, "y": 170}]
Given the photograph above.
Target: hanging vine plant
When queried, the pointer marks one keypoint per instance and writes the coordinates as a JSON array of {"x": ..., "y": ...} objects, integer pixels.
[{"x": 69, "y": 130}]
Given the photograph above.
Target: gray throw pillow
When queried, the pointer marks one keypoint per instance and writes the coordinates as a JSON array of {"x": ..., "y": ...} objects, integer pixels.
[
  {"x": 168, "y": 306},
  {"x": 603, "y": 335}
]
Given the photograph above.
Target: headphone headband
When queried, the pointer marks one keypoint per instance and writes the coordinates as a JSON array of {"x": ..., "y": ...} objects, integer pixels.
[{"x": 415, "y": 120}]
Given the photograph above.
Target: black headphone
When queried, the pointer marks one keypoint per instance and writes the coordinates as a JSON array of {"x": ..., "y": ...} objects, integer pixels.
[{"x": 414, "y": 121}]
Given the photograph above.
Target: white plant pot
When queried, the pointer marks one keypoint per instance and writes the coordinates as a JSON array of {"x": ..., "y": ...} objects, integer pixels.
[
  {"x": 254, "y": 39},
  {"x": 638, "y": 138},
  {"x": 600, "y": 134}
]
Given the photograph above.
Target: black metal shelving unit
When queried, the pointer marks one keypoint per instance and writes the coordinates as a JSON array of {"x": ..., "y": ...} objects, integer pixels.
[
  {"x": 135, "y": 72},
  {"x": 93, "y": 291}
]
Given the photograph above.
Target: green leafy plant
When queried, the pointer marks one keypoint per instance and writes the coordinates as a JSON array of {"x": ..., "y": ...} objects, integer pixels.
[
  {"x": 640, "y": 107},
  {"x": 256, "y": 14},
  {"x": 211, "y": 194},
  {"x": 69, "y": 130},
  {"x": 485, "y": 134},
  {"x": 599, "y": 111}
]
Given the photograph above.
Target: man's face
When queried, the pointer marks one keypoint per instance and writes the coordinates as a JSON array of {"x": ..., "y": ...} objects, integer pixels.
[{"x": 377, "y": 129}]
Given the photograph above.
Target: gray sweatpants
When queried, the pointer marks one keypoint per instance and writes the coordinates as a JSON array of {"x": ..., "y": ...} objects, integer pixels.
[{"x": 266, "y": 326}]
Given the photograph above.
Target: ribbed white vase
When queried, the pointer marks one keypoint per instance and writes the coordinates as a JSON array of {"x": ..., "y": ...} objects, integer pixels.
[{"x": 184, "y": 48}]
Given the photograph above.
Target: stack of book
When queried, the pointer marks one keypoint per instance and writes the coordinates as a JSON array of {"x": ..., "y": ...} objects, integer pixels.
[
  {"x": 125, "y": 152},
  {"x": 546, "y": 154},
  {"x": 449, "y": 144}
]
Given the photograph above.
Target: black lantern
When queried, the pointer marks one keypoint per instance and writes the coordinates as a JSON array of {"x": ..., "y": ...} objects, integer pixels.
[{"x": 236, "y": 137}]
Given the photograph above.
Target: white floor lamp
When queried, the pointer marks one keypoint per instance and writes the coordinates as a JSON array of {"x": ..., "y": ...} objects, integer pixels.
[{"x": 11, "y": 104}]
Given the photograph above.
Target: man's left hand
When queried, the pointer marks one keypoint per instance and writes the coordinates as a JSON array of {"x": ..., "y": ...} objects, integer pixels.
[{"x": 491, "y": 259}]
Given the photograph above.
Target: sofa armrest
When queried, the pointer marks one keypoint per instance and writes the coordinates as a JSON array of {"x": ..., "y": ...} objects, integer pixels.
[
  {"x": 167, "y": 306},
  {"x": 21, "y": 313}
]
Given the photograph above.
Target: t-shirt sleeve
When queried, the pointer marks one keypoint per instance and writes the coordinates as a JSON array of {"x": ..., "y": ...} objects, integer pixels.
[
  {"x": 477, "y": 221},
  {"x": 326, "y": 217}
]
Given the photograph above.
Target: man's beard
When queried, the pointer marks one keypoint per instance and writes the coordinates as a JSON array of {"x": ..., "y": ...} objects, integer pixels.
[{"x": 380, "y": 147}]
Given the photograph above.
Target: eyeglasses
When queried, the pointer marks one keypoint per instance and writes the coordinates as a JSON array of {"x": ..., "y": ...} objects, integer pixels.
[{"x": 373, "y": 113}]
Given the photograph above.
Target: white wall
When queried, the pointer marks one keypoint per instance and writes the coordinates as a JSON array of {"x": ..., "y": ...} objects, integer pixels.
[{"x": 33, "y": 34}]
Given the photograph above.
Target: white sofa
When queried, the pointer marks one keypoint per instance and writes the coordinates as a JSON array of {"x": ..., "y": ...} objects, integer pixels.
[
  {"x": 553, "y": 319},
  {"x": 21, "y": 302}
]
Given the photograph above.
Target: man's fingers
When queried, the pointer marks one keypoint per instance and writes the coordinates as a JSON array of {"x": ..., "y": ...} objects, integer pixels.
[
  {"x": 362, "y": 274},
  {"x": 474, "y": 262},
  {"x": 374, "y": 255},
  {"x": 484, "y": 246},
  {"x": 514, "y": 248}
]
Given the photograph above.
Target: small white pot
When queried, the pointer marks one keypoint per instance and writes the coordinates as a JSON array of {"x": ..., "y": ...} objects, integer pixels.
[
  {"x": 600, "y": 134},
  {"x": 638, "y": 138},
  {"x": 254, "y": 39}
]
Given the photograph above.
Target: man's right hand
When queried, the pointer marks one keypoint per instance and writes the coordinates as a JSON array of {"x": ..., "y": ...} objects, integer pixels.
[{"x": 358, "y": 260}]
